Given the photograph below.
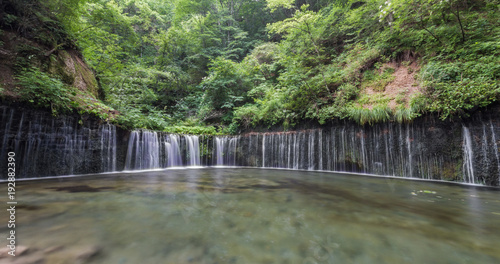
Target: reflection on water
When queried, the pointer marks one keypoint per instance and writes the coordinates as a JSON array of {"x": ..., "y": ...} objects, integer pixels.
[{"x": 253, "y": 216}]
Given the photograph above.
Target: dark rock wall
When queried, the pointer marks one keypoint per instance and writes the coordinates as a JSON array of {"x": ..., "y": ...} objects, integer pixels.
[
  {"x": 463, "y": 151},
  {"x": 48, "y": 146}
]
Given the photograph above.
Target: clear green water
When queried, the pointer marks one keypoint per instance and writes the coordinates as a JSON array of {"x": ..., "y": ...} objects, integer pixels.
[{"x": 219, "y": 215}]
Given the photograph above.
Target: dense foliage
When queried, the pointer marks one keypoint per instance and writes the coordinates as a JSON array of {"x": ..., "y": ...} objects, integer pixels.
[
  {"x": 183, "y": 64},
  {"x": 42, "y": 90}
]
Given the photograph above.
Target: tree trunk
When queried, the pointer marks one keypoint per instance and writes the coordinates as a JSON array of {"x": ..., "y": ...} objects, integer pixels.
[{"x": 460, "y": 23}]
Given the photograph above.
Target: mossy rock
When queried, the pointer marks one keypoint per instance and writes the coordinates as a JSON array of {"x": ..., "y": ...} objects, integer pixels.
[
  {"x": 451, "y": 171},
  {"x": 61, "y": 65},
  {"x": 87, "y": 77},
  {"x": 73, "y": 71}
]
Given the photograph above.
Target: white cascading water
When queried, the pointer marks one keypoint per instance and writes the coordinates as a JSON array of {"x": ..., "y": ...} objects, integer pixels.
[
  {"x": 173, "y": 151},
  {"x": 225, "y": 151},
  {"x": 468, "y": 161},
  {"x": 484, "y": 149},
  {"x": 264, "y": 150},
  {"x": 193, "y": 146},
  {"x": 45, "y": 146},
  {"x": 219, "y": 151},
  {"x": 130, "y": 149},
  {"x": 387, "y": 149},
  {"x": 151, "y": 150},
  {"x": 233, "y": 143},
  {"x": 7, "y": 117},
  {"x": 495, "y": 147},
  {"x": 108, "y": 147},
  {"x": 143, "y": 151},
  {"x": 310, "y": 150},
  {"x": 408, "y": 145},
  {"x": 320, "y": 144}
]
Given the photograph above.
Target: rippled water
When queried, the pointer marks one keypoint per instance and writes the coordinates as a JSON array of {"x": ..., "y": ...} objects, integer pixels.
[{"x": 223, "y": 215}]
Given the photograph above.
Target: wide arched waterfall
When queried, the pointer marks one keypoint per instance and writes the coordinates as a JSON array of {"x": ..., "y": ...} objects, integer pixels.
[{"x": 427, "y": 148}]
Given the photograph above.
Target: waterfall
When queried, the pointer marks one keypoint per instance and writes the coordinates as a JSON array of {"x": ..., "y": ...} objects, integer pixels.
[
  {"x": 468, "y": 167},
  {"x": 233, "y": 143},
  {"x": 131, "y": 141},
  {"x": 408, "y": 145},
  {"x": 310, "y": 149},
  {"x": 363, "y": 152},
  {"x": 151, "y": 150},
  {"x": 384, "y": 149},
  {"x": 480, "y": 153},
  {"x": 289, "y": 145},
  {"x": 264, "y": 150},
  {"x": 225, "y": 151},
  {"x": 320, "y": 144},
  {"x": 194, "y": 149},
  {"x": 219, "y": 150},
  {"x": 7, "y": 117},
  {"x": 143, "y": 151},
  {"x": 495, "y": 149},
  {"x": 173, "y": 151},
  {"x": 45, "y": 146},
  {"x": 108, "y": 147}
]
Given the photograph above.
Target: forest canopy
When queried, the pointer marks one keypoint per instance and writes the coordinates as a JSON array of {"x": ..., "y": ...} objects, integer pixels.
[{"x": 182, "y": 65}]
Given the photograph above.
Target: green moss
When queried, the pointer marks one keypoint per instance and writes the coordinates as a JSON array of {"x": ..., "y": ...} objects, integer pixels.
[
  {"x": 88, "y": 78},
  {"x": 449, "y": 171}
]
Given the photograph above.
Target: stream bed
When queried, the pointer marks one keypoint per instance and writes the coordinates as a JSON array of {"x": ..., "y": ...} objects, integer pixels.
[{"x": 250, "y": 215}]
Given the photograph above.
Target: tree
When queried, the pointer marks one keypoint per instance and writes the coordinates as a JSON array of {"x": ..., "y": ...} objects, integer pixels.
[
  {"x": 224, "y": 87},
  {"x": 304, "y": 29}
]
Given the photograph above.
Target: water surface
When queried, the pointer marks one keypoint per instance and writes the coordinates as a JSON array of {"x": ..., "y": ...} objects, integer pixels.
[{"x": 243, "y": 215}]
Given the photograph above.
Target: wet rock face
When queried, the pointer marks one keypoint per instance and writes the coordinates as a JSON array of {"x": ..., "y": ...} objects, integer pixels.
[
  {"x": 464, "y": 151},
  {"x": 74, "y": 71},
  {"x": 483, "y": 144},
  {"x": 384, "y": 149},
  {"x": 48, "y": 146}
]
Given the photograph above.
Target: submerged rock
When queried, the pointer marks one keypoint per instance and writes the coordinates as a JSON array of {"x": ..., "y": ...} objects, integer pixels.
[
  {"x": 23, "y": 255},
  {"x": 53, "y": 249},
  {"x": 20, "y": 250},
  {"x": 87, "y": 253}
]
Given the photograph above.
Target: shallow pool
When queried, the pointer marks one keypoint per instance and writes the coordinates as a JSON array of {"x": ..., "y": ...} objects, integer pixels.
[{"x": 243, "y": 215}]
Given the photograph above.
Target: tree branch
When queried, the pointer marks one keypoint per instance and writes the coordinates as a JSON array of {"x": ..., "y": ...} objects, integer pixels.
[
  {"x": 48, "y": 53},
  {"x": 425, "y": 28},
  {"x": 460, "y": 23}
]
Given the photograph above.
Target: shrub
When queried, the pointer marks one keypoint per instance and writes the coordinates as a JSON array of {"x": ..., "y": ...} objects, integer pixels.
[
  {"x": 196, "y": 130},
  {"x": 454, "y": 88},
  {"x": 247, "y": 115},
  {"x": 131, "y": 118},
  {"x": 459, "y": 97},
  {"x": 43, "y": 91}
]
